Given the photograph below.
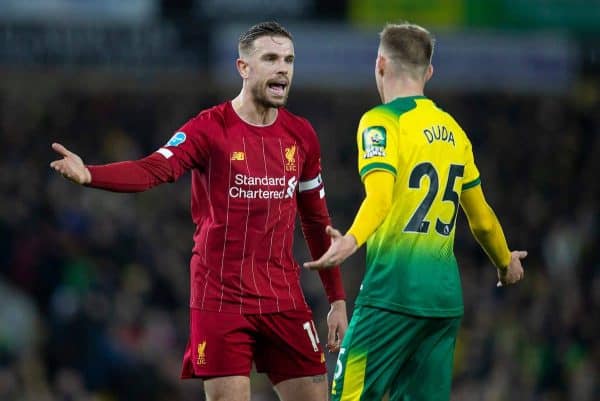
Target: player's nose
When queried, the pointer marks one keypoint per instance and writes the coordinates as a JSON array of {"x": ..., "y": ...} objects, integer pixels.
[
  {"x": 283, "y": 70},
  {"x": 283, "y": 67}
]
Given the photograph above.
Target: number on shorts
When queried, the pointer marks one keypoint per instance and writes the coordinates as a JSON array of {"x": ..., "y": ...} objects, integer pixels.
[
  {"x": 312, "y": 334},
  {"x": 339, "y": 368}
]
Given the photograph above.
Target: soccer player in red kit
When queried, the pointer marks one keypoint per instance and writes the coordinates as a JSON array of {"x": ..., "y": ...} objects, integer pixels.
[{"x": 254, "y": 164}]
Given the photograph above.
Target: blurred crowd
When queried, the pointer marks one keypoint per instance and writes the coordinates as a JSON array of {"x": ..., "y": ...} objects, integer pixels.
[{"x": 94, "y": 285}]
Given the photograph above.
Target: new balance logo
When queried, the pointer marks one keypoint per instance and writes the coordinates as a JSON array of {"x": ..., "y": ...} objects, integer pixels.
[{"x": 238, "y": 156}]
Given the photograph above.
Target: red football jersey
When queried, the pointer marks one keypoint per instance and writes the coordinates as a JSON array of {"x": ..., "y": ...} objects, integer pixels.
[{"x": 244, "y": 184}]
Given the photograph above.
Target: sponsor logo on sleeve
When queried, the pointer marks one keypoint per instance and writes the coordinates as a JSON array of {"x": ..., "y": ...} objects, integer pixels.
[
  {"x": 374, "y": 141},
  {"x": 177, "y": 139}
]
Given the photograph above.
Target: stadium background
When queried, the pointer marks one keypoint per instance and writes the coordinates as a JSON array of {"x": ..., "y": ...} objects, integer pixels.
[{"x": 94, "y": 285}]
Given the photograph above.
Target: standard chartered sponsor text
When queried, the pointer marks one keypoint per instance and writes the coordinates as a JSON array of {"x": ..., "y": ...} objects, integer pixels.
[{"x": 243, "y": 187}]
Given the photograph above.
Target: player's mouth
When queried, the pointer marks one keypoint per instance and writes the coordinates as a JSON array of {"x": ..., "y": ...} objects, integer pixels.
[{"x": 277, "y": 87}]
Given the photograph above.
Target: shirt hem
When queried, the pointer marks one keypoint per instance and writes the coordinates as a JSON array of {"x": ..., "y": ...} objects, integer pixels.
[
  {"x": 425, "y": 312},
  {"x": 247, "y": 310}
]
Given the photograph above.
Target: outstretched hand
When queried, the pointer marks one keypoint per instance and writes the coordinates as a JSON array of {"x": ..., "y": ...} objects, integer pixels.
[
  {"x": 342, "y": 246},
  {"x": 70, "y": 166},
  {"x": 514, "y": 272}
]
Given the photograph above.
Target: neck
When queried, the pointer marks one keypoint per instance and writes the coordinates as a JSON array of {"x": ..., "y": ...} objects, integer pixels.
[
  {"x": 252, "y": 112},
  {"x": 401, "y": 88}
]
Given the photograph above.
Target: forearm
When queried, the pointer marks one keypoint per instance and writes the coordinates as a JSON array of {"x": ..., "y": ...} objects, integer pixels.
[
  {"x": 374, "y": 208},
  {"x": 492, "y": 240},
  {"x": 485, "y": 226},
  {"x": 131, "y": 176},
  {"x": 314, "y": 217},
  {"x": 333, "y": 284}
]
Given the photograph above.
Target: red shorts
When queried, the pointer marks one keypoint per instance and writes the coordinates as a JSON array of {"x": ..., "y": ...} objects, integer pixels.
[{"x": 283, "y": 345}]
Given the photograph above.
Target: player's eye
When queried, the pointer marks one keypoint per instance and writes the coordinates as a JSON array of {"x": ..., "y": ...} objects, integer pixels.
[{"x": 269, "y": 57}]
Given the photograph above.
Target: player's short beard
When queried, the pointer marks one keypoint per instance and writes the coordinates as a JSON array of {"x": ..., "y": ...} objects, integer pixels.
[{"x": 261, "y": 98}]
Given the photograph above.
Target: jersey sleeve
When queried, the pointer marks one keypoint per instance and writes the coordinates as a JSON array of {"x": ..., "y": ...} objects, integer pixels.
[
  {"x": 131, "y": 176},
  {"x": 189, "y": 147},
  {"x": 471, "y": 176},
  {"x": 377, "y": 140},
  {"x": 310, "y": 176},
  {"x": 379, "y": 188},
  {"x": 314, "y": 216}
]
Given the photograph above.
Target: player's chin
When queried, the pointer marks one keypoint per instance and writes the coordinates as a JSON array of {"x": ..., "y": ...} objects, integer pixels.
[{"x": 278, "y": 101}]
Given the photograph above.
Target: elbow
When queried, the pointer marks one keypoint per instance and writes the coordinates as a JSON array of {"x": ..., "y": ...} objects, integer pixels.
[
  {"x": 382, "y": 204},
  {"x": 482, "y": 228},
  {"x": 386, "y": 206}
]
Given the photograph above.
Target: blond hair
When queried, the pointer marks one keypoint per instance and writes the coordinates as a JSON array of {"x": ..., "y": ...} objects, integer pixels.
[{"x": 408, "y": 46}]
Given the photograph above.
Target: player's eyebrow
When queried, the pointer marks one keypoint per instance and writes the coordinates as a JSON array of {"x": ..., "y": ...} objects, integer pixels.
[{"x": 273, "y": 56}]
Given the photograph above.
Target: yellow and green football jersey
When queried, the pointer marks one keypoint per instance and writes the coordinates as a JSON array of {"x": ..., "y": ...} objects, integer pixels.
[{"x": 411, "y": 266}]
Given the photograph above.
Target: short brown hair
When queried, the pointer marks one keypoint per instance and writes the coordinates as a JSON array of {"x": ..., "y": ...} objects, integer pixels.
[
  {"x": 408, "y": 45},
  {"x": 270, "y": 28}
]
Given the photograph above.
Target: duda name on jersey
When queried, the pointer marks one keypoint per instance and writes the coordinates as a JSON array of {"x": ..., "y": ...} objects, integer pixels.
[{"x": 439, "y": 133}]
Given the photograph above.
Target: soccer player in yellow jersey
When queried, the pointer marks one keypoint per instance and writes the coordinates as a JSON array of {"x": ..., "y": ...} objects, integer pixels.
[{"x": 417, "y": 166}]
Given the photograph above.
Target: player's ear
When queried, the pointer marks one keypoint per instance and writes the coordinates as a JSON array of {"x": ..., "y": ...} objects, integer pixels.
[
  {"x": 380, "y": 64},
  {"x": 429, "y": 72},
  {"x": 242, "y": 67}
]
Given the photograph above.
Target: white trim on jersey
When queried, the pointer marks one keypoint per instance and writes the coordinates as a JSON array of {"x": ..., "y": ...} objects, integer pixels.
[
  {"x": 165, "y": 152},
  {"x": 291, "y": 216},
  {"x": 272, "y": 231},
  {"x": 310, "y": 184},
  {"x": 207, "y": 234},
  {"x": 225, "y": 242},
  {"x": 245, "y": 235}
]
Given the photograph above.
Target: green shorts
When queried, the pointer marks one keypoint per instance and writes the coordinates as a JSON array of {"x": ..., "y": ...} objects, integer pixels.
[{"x": 408, "y": 356}]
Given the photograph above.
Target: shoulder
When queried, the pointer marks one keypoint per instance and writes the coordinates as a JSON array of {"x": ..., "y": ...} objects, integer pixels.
[
  {"x": 300, "y": 128},
  {"x": 376, "y": 117},
  {"x": 215, "y": 114},
  {"x": 206, "y": 121},
  {"x": 294, "y": 120},
  {"x": 387, "y": 111}
]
